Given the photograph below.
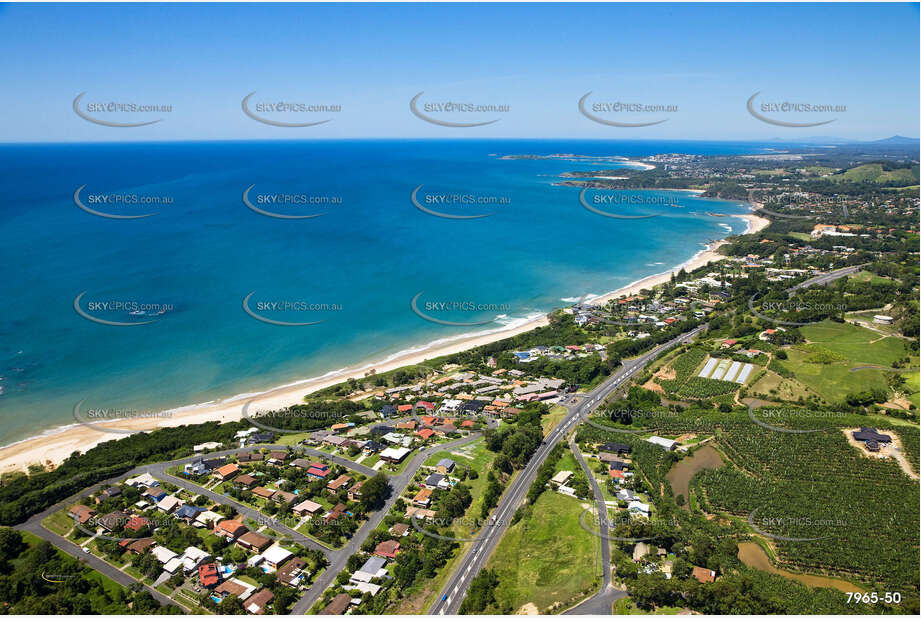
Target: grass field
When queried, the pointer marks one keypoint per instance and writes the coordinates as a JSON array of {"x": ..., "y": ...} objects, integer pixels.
[
  {"x": 863, "y": 276},
  {"x": 552, "y": 419},
  {"x": 773, "y": 384},
  {"x": 873, "y": 172},
  {"x": 547, "y": 558},
  {"x": 913, "y": 384},
  {"x": 824, "y": 363}
]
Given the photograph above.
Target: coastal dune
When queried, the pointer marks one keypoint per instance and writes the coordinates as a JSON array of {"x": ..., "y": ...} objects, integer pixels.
[{"x": 53, "y": 447}]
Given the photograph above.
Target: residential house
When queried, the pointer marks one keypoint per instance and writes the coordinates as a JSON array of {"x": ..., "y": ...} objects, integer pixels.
[
  {"x": 112, "y": 521},
  {"x": 254, "y": 541},
  {"x": 258, "y": 604},
  {"x": 138, "y": 546},
  {"x": 436, "y": 481},
  {"x": 423, "y": 498},
  {"x": 373, "y": 568},
  {"x": 136, "y": 524},
  {"x": 226, "y": 472},
  {"x": 169, "y": 504},
  {"x": 339, "y": 483},
  {"x": 394, "y": 455},
  {"x": 276, "y": 555},
  {"x": 337, "y": 512},
  {"x": 387, "y": 549},
  {"x": 290, "y": 573},
  {"x": 307, "y": 507},
  {"x": 615, "y": 447},
  {"x": 640, "y": 551},
  {"x": 154, "y": 494},
  {"x": 263, "y": 492},
  {"x": 284, "y": 497},
  {"x": 108, "y": 492},
  {"x": 81, "y": 513},
  {"x": 235, "y": 587},
  {"x": 337, "y": 606},
  {"x": 354, "y": 493},
  {"x": 230, "y": 529},
  {"x": 704, "y": 576},
  {"x": 561, "y": 478}
]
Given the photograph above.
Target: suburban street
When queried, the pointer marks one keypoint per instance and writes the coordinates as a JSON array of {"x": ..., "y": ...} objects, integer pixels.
[
  {"x": 452, "y": 595},
  {"x": 601, "y": 602},
  {"x": 340, "y": 557},
  {"x": 337, "y": 557}
]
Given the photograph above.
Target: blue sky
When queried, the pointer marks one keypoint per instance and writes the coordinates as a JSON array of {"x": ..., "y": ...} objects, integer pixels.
[{"x": 539, "y": 59}]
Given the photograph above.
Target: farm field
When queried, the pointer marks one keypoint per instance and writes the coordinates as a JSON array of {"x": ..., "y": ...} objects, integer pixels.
[{"x": 811, "y": 486}]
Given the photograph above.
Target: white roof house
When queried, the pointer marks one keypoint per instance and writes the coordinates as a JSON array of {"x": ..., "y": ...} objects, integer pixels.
[
  {"x": 192, "y": 557},
  {"x": 364, "y": 587},
  {"x": 145, "y": 480},
  {"x": 663, "y": 442},
  {"x": 307, "y": 506},
  {"x": 638, "y": 507},
  {"x": 206, "y": 517},
  {"x": 169, "y": 503},
  {"x": 173, "y": 565},
  {"x": 561, "y": 477},
  {"x": 394, "y": 454},
  {"x": 162, "y": 554},
  {"x": 276, "y": 555}
]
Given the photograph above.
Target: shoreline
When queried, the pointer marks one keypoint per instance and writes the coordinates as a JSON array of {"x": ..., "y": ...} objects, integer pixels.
[{"x": 55, "y": 445}]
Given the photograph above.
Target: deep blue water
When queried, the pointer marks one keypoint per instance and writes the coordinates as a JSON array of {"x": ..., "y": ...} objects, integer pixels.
[{"x": 371, "y": 254}]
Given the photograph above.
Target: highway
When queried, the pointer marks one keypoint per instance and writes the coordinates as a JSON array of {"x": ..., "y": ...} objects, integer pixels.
[
  {"x": 826, "y": 278},
  {"x": 452, "y": 595}
]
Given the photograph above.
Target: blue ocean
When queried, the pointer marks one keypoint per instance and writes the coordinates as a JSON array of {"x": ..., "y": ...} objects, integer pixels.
[{"x": 145, "y": 310}]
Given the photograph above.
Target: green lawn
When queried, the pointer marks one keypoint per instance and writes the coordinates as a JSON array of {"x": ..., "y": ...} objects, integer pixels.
[
  {"x": 59, "y": 522},
  {"x": 547, "y": 558}
]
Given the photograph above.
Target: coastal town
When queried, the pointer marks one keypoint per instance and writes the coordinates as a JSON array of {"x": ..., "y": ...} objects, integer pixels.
[{"x": 620, "y": 448}]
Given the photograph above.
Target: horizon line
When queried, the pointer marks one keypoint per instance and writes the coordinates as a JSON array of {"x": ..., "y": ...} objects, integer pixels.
[{"x": 841, "y": 140}]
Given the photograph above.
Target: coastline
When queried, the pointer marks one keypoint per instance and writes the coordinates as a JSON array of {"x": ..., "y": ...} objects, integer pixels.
[{"x": 55, "y": 445}]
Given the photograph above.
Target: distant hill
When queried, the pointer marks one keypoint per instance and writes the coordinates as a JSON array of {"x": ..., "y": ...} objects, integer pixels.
[{"x": 898, "y": 139}]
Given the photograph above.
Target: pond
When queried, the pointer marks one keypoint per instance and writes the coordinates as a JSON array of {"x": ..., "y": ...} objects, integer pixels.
[
  {"x": 754, "y": 556},
  {"x": 680, "y": 475}
]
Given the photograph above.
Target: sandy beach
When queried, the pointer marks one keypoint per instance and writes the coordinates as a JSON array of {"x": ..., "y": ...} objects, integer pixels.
[{"x": 52, "y": 447}]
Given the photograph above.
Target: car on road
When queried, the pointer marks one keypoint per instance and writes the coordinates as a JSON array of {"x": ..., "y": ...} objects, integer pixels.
[{"x": 86, "y": 550}]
